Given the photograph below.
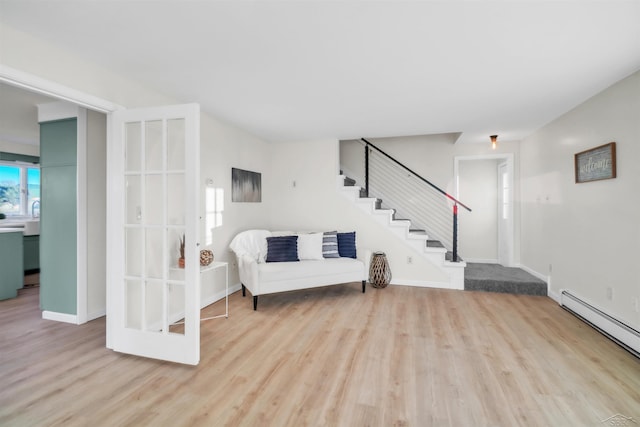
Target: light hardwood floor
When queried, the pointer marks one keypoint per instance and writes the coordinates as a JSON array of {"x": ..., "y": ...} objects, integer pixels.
[{"x": 399, "y": 356}]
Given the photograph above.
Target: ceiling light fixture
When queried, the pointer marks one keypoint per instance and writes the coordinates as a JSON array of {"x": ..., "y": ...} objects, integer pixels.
[{"x": 494, "y": 141}]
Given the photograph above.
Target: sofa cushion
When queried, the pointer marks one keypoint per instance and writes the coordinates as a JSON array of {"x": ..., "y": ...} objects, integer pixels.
[
  {"x": 347, "y": 244},
  {"x": 286, "y": 271},
  {"x": 330, "y": 245},
  {"x": 310, "y": 246},
  {"x": 282, "y": 249}
]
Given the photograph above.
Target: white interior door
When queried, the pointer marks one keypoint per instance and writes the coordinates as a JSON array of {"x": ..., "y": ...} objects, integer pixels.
[
  {"x": 505, "y": 216},
  {"x": 153, "y": 306}
]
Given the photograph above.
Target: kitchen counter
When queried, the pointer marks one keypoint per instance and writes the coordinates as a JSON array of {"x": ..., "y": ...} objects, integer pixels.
[
  {"x": 29, "y": 227},
  {"x": 12, "y": 230},
  {"x": 11, "y": 262}
]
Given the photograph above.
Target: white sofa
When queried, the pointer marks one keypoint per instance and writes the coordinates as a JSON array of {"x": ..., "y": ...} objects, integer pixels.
[{"x": 262, "y": 277}]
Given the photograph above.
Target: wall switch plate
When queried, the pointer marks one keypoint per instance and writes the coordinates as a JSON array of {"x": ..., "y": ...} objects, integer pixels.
[
  {"x": 409, "y": 260},
  {"x": 609, "y": 293}
]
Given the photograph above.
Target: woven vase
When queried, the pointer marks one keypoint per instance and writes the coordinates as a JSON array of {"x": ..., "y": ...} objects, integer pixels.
[{"x": 379, "y": 272}]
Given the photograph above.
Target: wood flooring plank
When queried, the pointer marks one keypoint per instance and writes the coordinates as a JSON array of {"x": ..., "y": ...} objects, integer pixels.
[{"x": 399, "y": 356}]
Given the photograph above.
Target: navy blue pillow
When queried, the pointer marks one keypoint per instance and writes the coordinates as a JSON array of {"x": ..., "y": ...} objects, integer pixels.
[
  {"x": 347, "y": 245},
  {"x": 282, "y": 249}
]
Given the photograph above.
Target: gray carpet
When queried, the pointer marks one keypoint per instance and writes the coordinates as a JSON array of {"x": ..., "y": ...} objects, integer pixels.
[{"x": 496, "y": 278}]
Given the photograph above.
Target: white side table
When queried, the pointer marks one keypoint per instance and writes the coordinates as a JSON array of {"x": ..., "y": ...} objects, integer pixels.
[{"x": 215, "y": 266}]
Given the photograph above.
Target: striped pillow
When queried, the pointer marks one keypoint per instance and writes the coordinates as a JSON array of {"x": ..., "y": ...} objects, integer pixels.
[
  {"x": 282, "y": 249},
  {"x": 330, "y": 245}
]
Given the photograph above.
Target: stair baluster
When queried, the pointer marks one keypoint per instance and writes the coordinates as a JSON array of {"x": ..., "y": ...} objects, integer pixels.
[{"x": 381, "y": 169}]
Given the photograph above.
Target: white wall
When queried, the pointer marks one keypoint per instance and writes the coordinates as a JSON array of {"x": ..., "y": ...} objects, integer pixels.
[
  {"x": 479, "y": 188},
  {"x": 26, "y": 149},
  {"x": 314, "y": 204},
  {"x": 223, "y": 147},
  {"x": 96, "y": 213},
  {"x": 586, "y": 236}
]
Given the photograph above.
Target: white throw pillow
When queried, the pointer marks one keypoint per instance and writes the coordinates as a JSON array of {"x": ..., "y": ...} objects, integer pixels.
[{"x": 310, "y": 246}]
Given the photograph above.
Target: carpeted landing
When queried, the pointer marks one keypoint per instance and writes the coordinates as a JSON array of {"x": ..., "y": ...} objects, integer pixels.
[{"x": 496, "y": 278}]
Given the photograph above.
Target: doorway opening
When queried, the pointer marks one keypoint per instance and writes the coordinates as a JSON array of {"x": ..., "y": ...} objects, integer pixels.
[
  {"x": 47, "y": 91},
  {"x": 487, "y": 181}
]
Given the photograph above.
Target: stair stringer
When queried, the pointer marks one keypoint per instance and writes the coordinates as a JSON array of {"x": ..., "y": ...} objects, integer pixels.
[{"x": 400, "y": 229}]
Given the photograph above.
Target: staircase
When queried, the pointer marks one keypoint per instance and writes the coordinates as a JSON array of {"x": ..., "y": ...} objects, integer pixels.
[
  {"x": 432, "y": 229},
  {"x": 432, "y": 250},
  {"x": 479, "y": 277}
]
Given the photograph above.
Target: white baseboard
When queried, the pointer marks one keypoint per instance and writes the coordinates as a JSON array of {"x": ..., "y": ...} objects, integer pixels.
[
  {"x": 235, "y": 288},
  {"x": 96, "y": 314},
  {"x": 531, "y": 271},
  {"x": 175, "y": 317},
  {"x": 481, "y": 260},
  {"x": 219, "y": 295},
  {"x": 547, "y": 279},
  {"x": 60, "y": 317},
  {"x": 556, "y": 296},
  {"x": 422, "y": 284}
]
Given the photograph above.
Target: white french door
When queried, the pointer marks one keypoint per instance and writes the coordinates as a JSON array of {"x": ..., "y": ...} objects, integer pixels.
[{"x": 153, "y": 306}]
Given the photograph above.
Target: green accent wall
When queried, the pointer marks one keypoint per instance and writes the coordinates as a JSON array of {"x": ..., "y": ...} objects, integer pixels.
[
  {"x": 12, "y": 276},
  {"x": 58, "y": 216}
]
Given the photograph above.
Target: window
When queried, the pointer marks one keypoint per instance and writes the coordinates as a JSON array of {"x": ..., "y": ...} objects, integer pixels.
[
  {"x": 19, "y": 189},
  {"x": 505, "y": 196},
  {"x": 214, "y": 206}
]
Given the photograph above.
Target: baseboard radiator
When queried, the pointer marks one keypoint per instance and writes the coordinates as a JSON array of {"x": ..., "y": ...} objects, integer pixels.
[{"x": 616, "y": 330}]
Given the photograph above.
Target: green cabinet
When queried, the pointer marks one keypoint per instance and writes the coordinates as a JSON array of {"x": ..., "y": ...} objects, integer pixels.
[
  {"x": 12, "y": 276},
  {"x": 31, "y": 251},
  {"x": 58, "y": 143},
  {"x": 58, "y": 216}
]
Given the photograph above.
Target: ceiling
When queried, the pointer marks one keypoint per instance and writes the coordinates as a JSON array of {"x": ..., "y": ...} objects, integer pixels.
[{"x": 299, "y": 70}]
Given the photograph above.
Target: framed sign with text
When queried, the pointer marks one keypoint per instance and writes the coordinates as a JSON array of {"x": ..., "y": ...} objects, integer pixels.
[{"x": 596, "y": 164}]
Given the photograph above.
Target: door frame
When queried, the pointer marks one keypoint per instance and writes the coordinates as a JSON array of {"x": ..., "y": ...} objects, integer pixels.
[
  {"x": 504, "y": 257},
  {"x": 508, "y": 158},
  {"x": 61, "y": 92},
  {"x": 32, "y": 83}
]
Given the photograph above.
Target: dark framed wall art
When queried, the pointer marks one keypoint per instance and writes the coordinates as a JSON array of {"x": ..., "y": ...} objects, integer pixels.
[
  {"x": 596, "y": 164},
  {"x": 246, "y": 186}
]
